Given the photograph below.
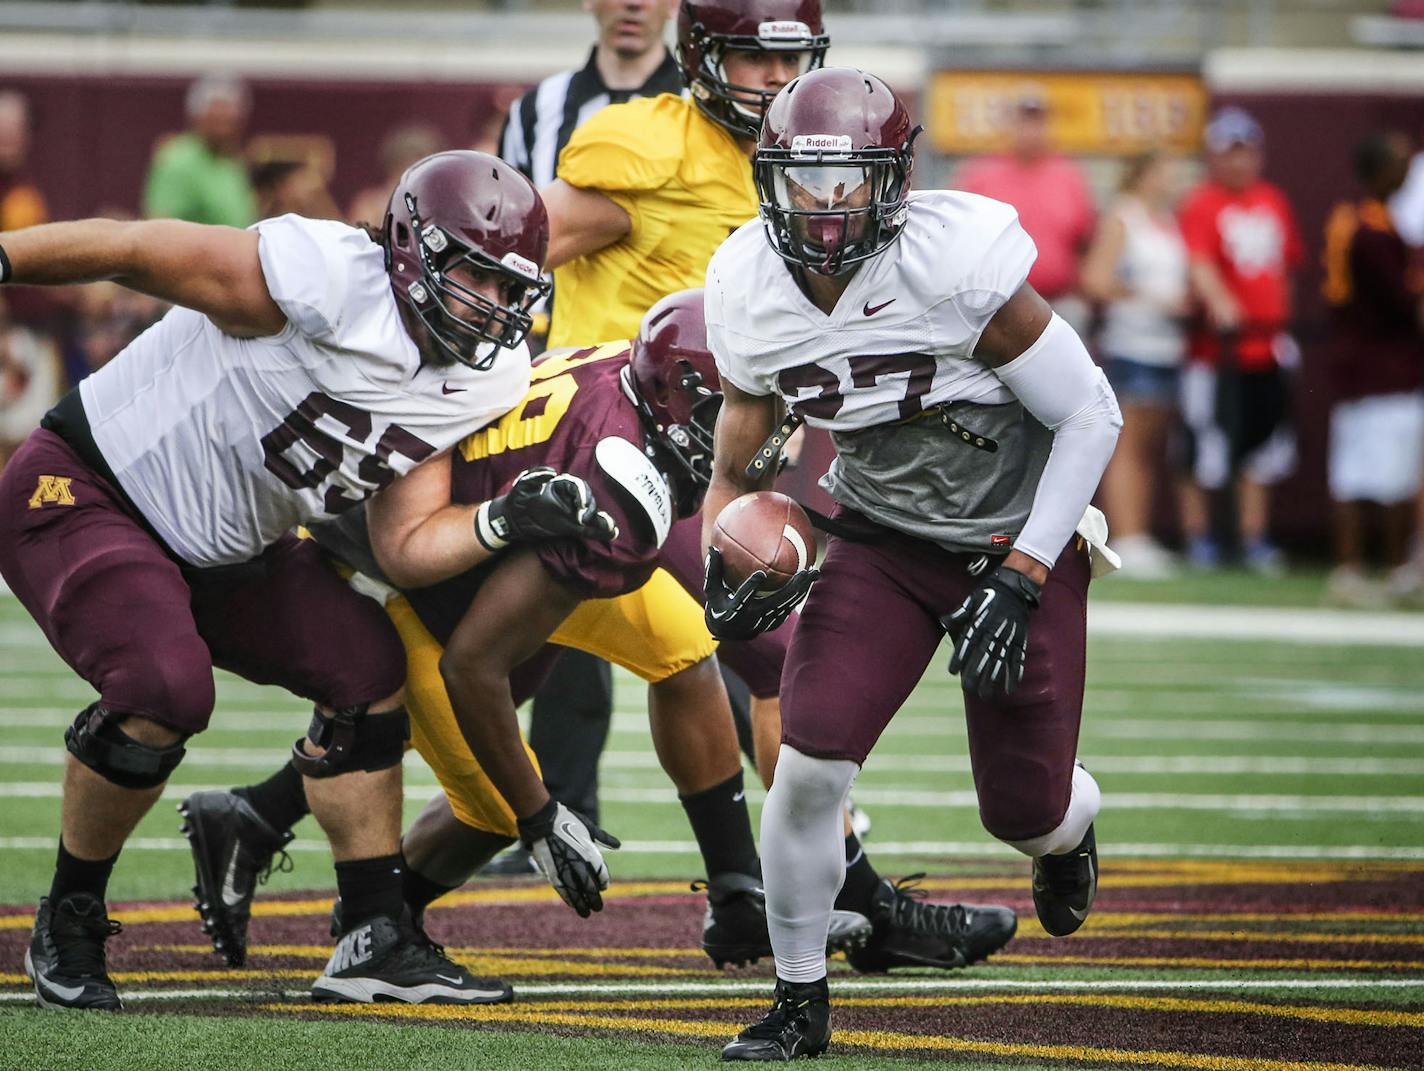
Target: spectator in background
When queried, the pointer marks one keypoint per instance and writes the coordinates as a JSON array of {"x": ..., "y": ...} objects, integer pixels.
[
  {"x": 21, "y": 203},
  {"x": 1243, "y": 246},
  {"x": 1136, "y": 269},
  {"x": 200, "y": 176},
  {"x": 1052, "y": 198},
  {"x": 1406, "y": 207},
  {"x": 400, "y": 148},
  {"x": 31, "y": 381},
  {"x": 282, "y": 186},
  {"x": 1377, "y": 372},
  {"x": 44, "y": 312}
]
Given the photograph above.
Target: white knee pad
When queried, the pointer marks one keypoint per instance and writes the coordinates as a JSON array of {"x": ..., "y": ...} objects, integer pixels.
[
  {"x": 810, "y": 785},
  {"x": 1083, "y": 807}
]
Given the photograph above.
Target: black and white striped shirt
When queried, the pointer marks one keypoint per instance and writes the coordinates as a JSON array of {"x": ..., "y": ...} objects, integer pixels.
[{"x": 541, "y": 121}]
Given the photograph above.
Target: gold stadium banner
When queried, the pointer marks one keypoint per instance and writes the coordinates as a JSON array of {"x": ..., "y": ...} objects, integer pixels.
[{"x": 1098, "y": 113}]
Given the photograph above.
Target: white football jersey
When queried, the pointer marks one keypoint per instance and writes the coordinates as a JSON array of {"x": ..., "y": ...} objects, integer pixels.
[
  {"x": 226, "y": 443},
  {"x": 900, "y": 339}
]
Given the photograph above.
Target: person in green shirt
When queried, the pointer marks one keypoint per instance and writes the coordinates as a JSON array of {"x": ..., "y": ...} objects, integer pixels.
[{"x": 200, "y": 176}]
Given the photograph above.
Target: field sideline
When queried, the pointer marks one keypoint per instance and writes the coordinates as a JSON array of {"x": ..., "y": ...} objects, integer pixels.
[{"x": 1262, "y": 902}]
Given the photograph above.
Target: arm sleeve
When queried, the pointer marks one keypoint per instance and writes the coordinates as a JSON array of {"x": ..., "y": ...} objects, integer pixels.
[{"x": 1058, "y": 383}]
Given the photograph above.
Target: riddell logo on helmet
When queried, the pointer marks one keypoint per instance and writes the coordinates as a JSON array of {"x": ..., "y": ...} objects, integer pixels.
[
  {"x": 524, "y": 267},
  {"x": 821, "y": 143},
  {"x": 785, "y": 30}
]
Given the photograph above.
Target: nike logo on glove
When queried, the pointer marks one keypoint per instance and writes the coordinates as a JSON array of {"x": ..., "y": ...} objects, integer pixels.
[
  {"x": 445, "y": 388},
  {"x": 871, "y": 310}
]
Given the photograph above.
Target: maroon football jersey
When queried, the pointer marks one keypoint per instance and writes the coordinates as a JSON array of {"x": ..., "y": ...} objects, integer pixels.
[{"x": 575, "y": 402}]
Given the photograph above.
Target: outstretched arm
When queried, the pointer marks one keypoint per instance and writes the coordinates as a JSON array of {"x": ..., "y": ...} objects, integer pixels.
[
  {"x": 212, "y": 270},
  {"x": 580, "y": 222}
]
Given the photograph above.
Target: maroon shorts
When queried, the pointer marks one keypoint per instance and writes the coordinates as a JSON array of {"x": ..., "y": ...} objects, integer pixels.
[
  {"x": 147, "y": 633},
  {"x": 870, "y": 628}
]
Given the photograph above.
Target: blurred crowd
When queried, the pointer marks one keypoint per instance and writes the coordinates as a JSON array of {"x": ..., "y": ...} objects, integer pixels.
[{"x": 1184, "y": 279}]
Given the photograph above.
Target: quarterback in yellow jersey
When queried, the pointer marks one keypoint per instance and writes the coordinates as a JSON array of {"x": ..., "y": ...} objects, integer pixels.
[{"x": 646, "y": 191}]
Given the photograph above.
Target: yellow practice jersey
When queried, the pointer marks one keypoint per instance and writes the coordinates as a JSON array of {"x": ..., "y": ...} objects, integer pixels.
[{"x": 685, "y": 184}]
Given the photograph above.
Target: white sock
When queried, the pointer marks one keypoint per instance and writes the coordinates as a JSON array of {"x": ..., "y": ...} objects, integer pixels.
[
  {"x": 1082, "y": 809},
  {"x": 803, "y": 858}
]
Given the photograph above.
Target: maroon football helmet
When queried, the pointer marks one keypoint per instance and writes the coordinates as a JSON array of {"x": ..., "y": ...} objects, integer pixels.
[
  {"x": 467, "y": 209},
  {"x": 707, "y": 29},
  {"x": 833, "y": 169},
  {"x": 672, "y": 379}
]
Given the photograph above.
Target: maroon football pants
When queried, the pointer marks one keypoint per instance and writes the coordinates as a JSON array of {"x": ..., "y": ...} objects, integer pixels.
[
  {"x": 869, "y": 629},
  {"x": 147, "y": 633}
]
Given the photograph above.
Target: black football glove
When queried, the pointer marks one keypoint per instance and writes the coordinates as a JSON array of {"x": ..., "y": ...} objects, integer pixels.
[
  {"x": 564, "y": 844},
  {"x": 746, "y": 613},
  {"x": 990, "y": 633},
  {"x": 543, "y": 504}
]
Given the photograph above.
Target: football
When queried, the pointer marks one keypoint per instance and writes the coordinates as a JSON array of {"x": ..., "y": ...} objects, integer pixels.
[{"x": 764, "y": 530}]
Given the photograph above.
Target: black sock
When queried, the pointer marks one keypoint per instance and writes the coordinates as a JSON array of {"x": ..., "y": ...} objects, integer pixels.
[
  {"x": 861, "y": 880},
  {"x": 73, "y": 875},
  {"x": 369, "y": 887},
  {"x": 280, "y": 800},
  {"x": 419, "y": 891},
  {"x": 723, "y": 828}
]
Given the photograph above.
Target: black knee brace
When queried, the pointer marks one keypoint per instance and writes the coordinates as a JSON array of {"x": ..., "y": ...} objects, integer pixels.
[
  {"x": 96, "y": 740},
  {"x": 352, "y": 740}
]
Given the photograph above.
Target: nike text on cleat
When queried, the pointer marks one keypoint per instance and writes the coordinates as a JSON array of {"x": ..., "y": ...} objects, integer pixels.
[
  {"x": 391, "y": 960},
  {"x": 799, "y": 1024},
  {"x": 234, "y": 850},
  {"x": 66, "y": 959},
  {"x": 911, "y": 932},
  {"x": 1064, "y": 886}
]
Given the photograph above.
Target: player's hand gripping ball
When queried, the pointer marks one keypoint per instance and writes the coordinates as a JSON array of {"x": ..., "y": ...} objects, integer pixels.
[{"x": 760, "y": 565}]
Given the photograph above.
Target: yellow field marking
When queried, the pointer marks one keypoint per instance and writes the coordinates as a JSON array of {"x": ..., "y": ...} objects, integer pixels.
[
  {"x": 1252, "y": 964},
  {"x": 1314, "y": 1013},
  {"x": 1126, "y": 873},
  {"x": 1254, "y": 936},
  {"x": 867, "y": 1039},
  {"x": 1147, "y": 918}
]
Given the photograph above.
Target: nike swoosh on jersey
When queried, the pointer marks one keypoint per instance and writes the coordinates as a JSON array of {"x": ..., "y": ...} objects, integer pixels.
[
  {"x": 871, "y": 310},
  {"x": 445, "y": 388}
]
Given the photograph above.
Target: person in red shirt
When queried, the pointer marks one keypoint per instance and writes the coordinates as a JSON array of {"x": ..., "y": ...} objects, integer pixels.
[
  {"x": 1243, "y": 245},
  {"x": 1050, "y": 193}
]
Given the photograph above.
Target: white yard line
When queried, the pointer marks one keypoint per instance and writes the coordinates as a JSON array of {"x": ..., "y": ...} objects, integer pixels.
[
  {"x": 927, "y": 985},
  {"x": 1168, "y": 766},
  {"x": 1304, "y": 625},
  {"x": 957, "y": 849}
]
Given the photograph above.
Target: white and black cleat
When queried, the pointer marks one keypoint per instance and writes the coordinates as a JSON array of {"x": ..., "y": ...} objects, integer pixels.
[
  {"x": 234, "y": 850},
  {"x": 385, "y": 960},
  {"x": 66, "y": 959}
]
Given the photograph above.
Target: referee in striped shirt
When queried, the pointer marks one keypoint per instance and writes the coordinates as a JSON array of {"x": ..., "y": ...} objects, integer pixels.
[
  {"x": 630, "y": 60},
  {"x": 574, "y": 705}
]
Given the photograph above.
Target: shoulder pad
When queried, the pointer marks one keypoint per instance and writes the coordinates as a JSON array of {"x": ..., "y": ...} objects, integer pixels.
[{"x": 631, "y": 469}]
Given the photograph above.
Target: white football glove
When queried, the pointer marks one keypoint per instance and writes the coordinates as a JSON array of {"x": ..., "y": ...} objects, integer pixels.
[{"x": 564, "y": 844}]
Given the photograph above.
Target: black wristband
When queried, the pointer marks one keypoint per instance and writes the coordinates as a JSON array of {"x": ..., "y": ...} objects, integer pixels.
[
  {"x": 539, "y": 824},
  {"x": 1026, "y": 588},
  {"x": 5, "y": 270}
]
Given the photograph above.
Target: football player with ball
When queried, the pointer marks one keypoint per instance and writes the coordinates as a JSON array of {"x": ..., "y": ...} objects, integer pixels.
[{"x": 971, "y": 428}]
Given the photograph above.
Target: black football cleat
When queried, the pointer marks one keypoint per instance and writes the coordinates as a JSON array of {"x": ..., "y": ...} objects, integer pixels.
[
  {"x": 799, "y": 1024},
  {"x": 66, "y": 960},
  {"x": 385, "y": 960},
  {"x": 1064, "y": 886},
  {"x": 234, "y": 849},
  {"x": 911, "y": 932},
  {"x": 734, "y": 928}
]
